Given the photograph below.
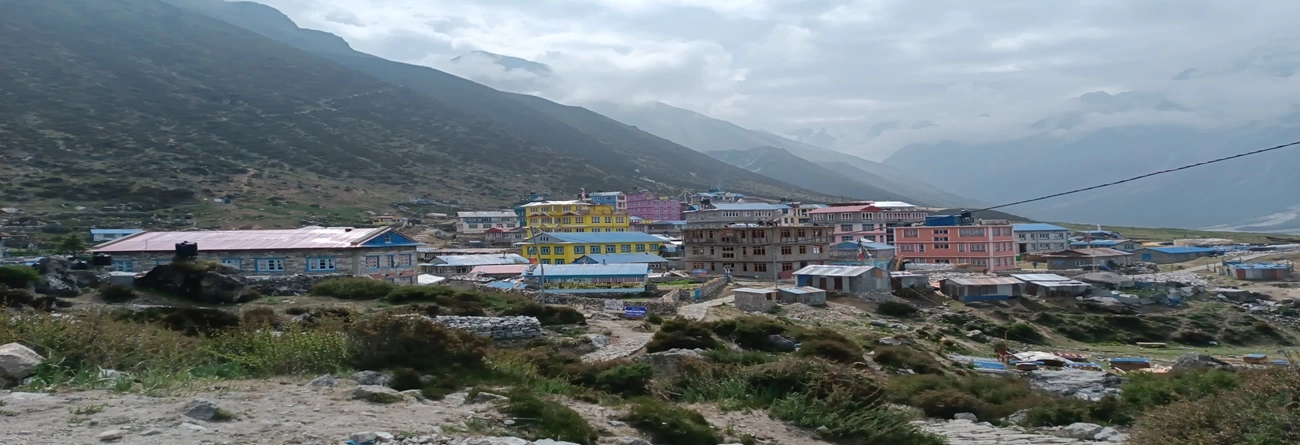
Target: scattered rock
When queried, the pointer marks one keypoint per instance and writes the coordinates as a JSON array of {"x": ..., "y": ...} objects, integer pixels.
[
  {"x": 151, "y": 432},
  {"x": 781, "y": 342},
  {"x": 1017, "y": 417},
  {"x": 484, "y": 397},
  {"x": 966, "y": 416},
  {"x": 1110, "y": 435},
  {"x": 624, "y": 441},
  {"x": 18, "y": 362},
  {"x": 193, "y": 427},
  {"x": 371, "y": 378},
  {"x": 1085, "y": 385},
  {"x": 414, "y": 394},
  {"x": 494, "y": 441},
  {"x": 201, "y": 409},
  {"x": 598, "y": 340},
  {"x": 552, "y": 442},
  {"x": 111, "y": 435},
  {"x": 617, "y": 424},
  {"x": 110, "y": 374},
  {"x": 1081, "y": 431},
  {"x": 1193, "y": 361},
  {"x": 377, "y": 394},
  {"x": 325, "y": 381}
]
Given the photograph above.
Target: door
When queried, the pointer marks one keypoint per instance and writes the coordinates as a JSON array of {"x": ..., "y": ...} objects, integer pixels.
[
  {"x": 823, "y": 283},
  {"x": 839, "y": 283}
]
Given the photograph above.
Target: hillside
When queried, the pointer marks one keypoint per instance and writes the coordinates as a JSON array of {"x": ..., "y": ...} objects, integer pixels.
[
  {"x": 635, "y": 159},
  {"x": 781, "y": 164},
  {"x": 707, "y": 134}
]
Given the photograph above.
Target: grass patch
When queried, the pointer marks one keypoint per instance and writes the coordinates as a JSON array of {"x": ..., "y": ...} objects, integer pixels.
[
  {"x": 353, "y": 288},
  {"x": 680, "y": 333},
  {"x": 539, "y": 418},
  {"x": 898, "y": 357},
  {"x": 666, "y": 423},
  {"x": 117, "y": 293},
  {"x": 1260, "y": 410},
  {"x": 896, "y": 309}
]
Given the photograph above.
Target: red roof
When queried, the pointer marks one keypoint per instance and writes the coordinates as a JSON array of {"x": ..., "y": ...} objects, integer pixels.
[
  {"x": 845, "y": 209},
  {"x": 304, "y": 238}
]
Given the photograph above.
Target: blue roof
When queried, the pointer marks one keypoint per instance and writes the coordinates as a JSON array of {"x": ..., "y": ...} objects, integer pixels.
[
  {"x": 588, "y": 270},
  {"x": 1100, "y": 242},
  {"x": 1130, "y": 360},
  {"x": 1037, "y": 227},
  {"x": 602, "y": 237},
  {"x": 1176, "y": 250},
  {"x": 622, "y": 258},
  {"x": 479, "y": 260},
  {"x": 749, "y": 206},
  {"x": 1256, "y": 356},
  {"x": 115, "y": 231},
  {"x": 1277, "y": 266},
  {"x": 853, "y": 245}
]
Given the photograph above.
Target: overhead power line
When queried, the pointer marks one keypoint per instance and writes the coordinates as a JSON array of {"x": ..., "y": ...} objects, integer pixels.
[{"x": 1148, "y": 175}]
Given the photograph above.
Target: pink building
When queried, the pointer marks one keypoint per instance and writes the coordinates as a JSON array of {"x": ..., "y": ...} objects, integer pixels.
[
  {"x": 853, "y": 221},
  {"x": 649, "y": 206},
  {"x": 990, "y": 248}
]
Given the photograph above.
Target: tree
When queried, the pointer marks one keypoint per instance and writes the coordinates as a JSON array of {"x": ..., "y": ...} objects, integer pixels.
[{"x": 72, "y": 245}]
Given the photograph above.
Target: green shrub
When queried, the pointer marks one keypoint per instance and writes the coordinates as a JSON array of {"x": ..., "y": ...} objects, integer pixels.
[
  {"x": 836, "y": 351},
  {"x": 750, "y": 332},
  {"x": 405, "y": 379},
  {"x": 18, "y": 277},
  {"x": 1192, "y": 337},
  {"x": 538, "y": 418},
  {"x": 945, "y": 403},
  {"x": 1260, "y": 411},
  {"x": 117, "y": 293},
  {"x": 190, "y": 320},
  {"x": 294, "y": 349},
  {"x": 729, "y": 356},
  {"x": 1145, "y": 390},
  {"x": 548, "y": 315},
  {"x": 680, "y": 333},
  {"x": 898, "y": 357},
  {"x": 1023, "y": 332},
  {"x": 896, "y": 309},
  {"x": 353, "y": 288},
  {"x": 666, "y": 423},
  {"x": 389, "y": 341},
  {"x": 654, "y": 319},
  {"x": 626, "y": 380},
  {"x": 259, "y": 317}
]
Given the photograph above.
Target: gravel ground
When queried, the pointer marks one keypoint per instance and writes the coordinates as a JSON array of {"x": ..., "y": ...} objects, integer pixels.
[
  {"x": 965, "y": 432},
  {"x": 698, "y": 311}
]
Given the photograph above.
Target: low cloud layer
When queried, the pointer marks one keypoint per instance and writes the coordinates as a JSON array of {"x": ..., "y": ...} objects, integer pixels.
[{"x": 915, "y": 71}]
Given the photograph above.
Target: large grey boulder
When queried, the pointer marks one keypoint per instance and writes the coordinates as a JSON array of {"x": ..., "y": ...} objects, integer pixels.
[
  {"x": 1086, "y": 385},
  {"x": 18, "y": 362},
  {"x": 199, "y": 281},
  {"x": 377, "y": 394},
  {"x": 371, "y": 378},
  {"x": 1193, "y": 361},
  {"x": 665, "y": 363},
  {"x": 1081, "y": 431},
  {"x": 57, "y": 277}
]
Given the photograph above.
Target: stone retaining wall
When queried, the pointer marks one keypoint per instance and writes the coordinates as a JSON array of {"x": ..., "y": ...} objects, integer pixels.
[
  {"x": 497, "y": 328},
  {"x": 590, "y": 303},
  {"x": 709, "y": 290},
  {"x": 287, "y": 285}
]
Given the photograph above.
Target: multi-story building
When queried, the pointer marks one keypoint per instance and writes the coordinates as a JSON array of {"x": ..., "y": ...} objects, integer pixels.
[
  {"x": 754, "y": 250},
  {"x": 714, "y": 196},
  {"x": 744, "y": 212},
  {"x": 1041, "y": 238},
  {"x": 868, "y": 220},
  {"x": 649, "y": 206},
  {"x": 979, "y": 247},
  {"x": 616, "y": 199},
  {"x": 474, "y": 223},
  {"x": 574, "y": 217},
  {"x": 803, "y": 211},
  {"x": 565, "y": 248}
]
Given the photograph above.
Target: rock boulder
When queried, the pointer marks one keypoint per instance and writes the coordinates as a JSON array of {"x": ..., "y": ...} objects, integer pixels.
[
  {"x": 1193, "y": 361},
  {"x": 200, "y": 281},
  {"x": 17, "y": 362}
]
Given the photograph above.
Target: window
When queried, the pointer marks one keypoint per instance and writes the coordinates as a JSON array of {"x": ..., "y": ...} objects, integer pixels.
[
  {"x": 941, "y": 238},
  {"x": 404, "y": 259},
  {"x": 610, "y": 248},
  {"x": 559, "y": 250},
  {"x": 760, "y": 267},
  {"x": 803, "y": 250},
  {"x": 911, "y": 233},
  {"x": 625, "y": 248},
  {"x": 619, "y": 220},
  {"x": 728, "y": 252},
  {"x": 976, "y": 231},
  {"x": 846, "y": 227},
  {"x": 940, "y": 231},
  {"x": 760, "y": 250},
  {"x": 907, "y": 247},
  {"x": 372, "y": 262},
  {"x": 579, "y": 250},
  {"x": 817, "y": 249},
  {"x": 640, "y": 247},
  {"x": 979, "y": 262},
  {"x": 941, "y": 246},
  {"x": 979, "y": 248},
  {"x": 578, "y": 219},
  {"x": 237, "y": 263},
  {"x": 559, "y": 261},
  {"x": 270, "y": 265},
  {"x": 846, "y": 217},
  {"x": 124, "y": 265},
  {"x": 320, "y": 264},
  {"x": 846, "y": 238},
  {"x": 595, "y": 248},
  {"x": 545, "y": 261},
  {"x": 607, "y": 219},
  {"x": 546, "y": 250},
  {"x": 787, "y": 266}
]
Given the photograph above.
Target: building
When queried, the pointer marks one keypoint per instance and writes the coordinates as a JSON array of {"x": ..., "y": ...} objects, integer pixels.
[
  {"x": 463, "y": 264},
  {"x": 566, "y": 248},
  {"x": 574, "y": 217},
  {"x": 102, "y": 235},
  {"x": 499, "y": 271},
  {"x": 753, "y": 250},
  {"x": 589, "y": 278},
  {"x": 670, "y": 227},
  {"x": 1040, "y": 238},
  {"x": 859, "y": 253},
  {"x": 868, "y": 220},
  {"x": 377, "y": 252},
  {"x": 803, "y": 212},
  {"x": 474, "y": 223},
  {"x": 1118, "y": 244},
  {"x": 751, "y": 299},
  {"x": 715, "y": 196},
  {"x": 503, "y": 236},
  {"x": 1169, "y": 255},
  {"x": 843, "y": 279},
  {"x": 982, "y": 288},
  {"x": 1259, "y": 271},
  {"x": 646, "y": 205},
  {"x": 709, "y": 213},
  {"x": 1088, "y": 259},
  {"x": 656, "y": 262},
  {"x": 807, "y": 295},
  {"x": 1096, "y": 234},
  {"x": 616, "y": 199},
  {"x": 1044, "y": 285},
  {"x": 385, "y": 220},
  {"x": 979, "y": 247}
]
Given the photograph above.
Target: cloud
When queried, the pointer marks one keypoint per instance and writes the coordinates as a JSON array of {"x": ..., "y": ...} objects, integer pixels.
[{"x": 982, "y": 70}]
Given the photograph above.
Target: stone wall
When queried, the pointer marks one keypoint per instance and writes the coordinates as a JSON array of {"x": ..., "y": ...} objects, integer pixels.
[
  {"x": 710, "y": 290},
  {"x": 587, "y": 302},
  {"x": 287, "y": 285},
  {"x": 497, "y": 328}
]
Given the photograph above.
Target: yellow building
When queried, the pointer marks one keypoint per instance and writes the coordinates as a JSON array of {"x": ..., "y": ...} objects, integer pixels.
[
  {"x": 575, "y": 217},
  {"x": 565, "y": 248}
]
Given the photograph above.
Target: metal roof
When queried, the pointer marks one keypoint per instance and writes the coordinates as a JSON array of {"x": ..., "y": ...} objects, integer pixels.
[
  {"x": 853, "y": 245},
  {"x": 1038, "y": 227},
  {"x": 1070, "y": 283},
  {"x": 1040, "y": 277},
  {"x": 802, "y": 290},
  {"x": 754, "y": 290},
  {"x": 490, "y": 214},
  {"x": 983, "y": 281},
  {"x": 747, "y": 206},
  {"x": 1130, "y": 360},
  {"x": 625, "y": 258},
  {"x": 114, "y": 231},
  {"x": 586, "y": 270},
  {"x": 599, "y": 237},
  {"x": 500, "y": 269},
  {"x": 605, "y": 194},
  {"x": 1100, "y": 242},
  {"x": 304, "y": 238},
  {"x": 478, "y": 260},
  {"x": 834, "y": 271},
  {"x": 556, "y": 203},
  {"x": 1266, "y": 266},
  {"x": 1178, "y": 250}
]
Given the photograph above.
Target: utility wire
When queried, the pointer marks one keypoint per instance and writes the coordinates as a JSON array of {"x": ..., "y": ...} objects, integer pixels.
[{"x": 1148, "y": 175}]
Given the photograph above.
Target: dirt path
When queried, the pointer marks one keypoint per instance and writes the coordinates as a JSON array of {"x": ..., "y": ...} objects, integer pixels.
[
  {"x": 963, "y": 432},
  {"x": 624, "y": 340},
  {"x": 698, "y": 311}
]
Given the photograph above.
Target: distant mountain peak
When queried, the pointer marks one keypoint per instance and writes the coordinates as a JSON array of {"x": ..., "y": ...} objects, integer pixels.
[{"x": 508, "y": 62}]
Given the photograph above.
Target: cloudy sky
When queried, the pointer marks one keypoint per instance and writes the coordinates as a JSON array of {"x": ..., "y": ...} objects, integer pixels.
[{"x": 973, "y": 69}]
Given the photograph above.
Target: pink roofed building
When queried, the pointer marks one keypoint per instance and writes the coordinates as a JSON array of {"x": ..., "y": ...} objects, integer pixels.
[
  {"x": 853, "y": 221},
  {"x": 981, "y": 248},
  {"x": 649, "y": 206}
]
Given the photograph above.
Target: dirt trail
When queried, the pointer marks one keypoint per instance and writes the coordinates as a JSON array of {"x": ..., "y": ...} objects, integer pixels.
[{"x": 624, "y": 340}]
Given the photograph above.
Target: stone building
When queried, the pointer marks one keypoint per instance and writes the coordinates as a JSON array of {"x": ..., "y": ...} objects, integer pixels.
[
  {"x": 752, "y": 250},
  {"x": 381, "y": 253}
]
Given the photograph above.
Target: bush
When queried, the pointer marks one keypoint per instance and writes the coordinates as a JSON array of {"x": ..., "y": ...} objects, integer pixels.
[
  {"x": 192, "y": 321},
  {"x": 654, "y": 319},
  {"x": 548, "y": 315},
  {"x": 666, "y": 423},
  {"x": 18, "y": 277},
  {"x": 680, "y": 333},
  {"x": 833, "y": 350},
  {"x": 1144, "y": 391},
  {"x": 945, "y": 403},
  {"x": 353, "y": 288},
  {"x": 626, "y": 380},
  {"x": 1018, "y": 331},
  {"x": 896, "y": 309},
  {"x": 389, "y": 341},
  {"x": 117, "y": 293},
  {"x": 538, "y": 418},
  {"x": 750, "y": 332},
  {"x": 1260, "y": 411},
  {"x": 260, "y": 317},
  {"x": 1195, "y": 338},
  {"x": 405, "y": 379},
  {"x": 898, "y": 357}
]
